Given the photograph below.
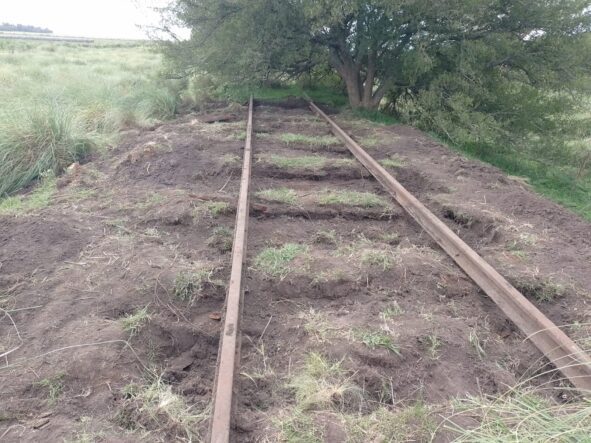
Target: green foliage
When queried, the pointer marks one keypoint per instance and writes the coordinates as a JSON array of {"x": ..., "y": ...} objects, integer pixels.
[
  {"x": 378, "y": 258},
  {"x": 133, "y": 323},
  {"x": 400, "y": 47},
  {"x": 325, "y": 140},
  {"x": 276, "y": 262},
  {"x": 58, "y": 102},
  {"x": 38, "y": 140},
  {"x": 522, "y": 415},
  {"x": 280, "y": 195},
  {"x": 39, "y": 198},
  {"x": 54, "y": 386},
  {"x": 352, "y": 198},
  {"x": 378, "y": 339},
  {"x": 222, "y": 239},
  {"x": 189, "y": 286},
  {"x": 408, "y": 424},
  {"x": 394, "y": 161},
  {"x": 501, "y": 80},
  {"x": 556, "y": 181}
]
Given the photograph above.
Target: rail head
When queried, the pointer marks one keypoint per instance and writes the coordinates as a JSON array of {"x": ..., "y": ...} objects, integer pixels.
[{"x": 229, "y": 351}]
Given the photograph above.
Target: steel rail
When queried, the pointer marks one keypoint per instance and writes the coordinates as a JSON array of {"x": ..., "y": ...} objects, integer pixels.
[
  {"x": 229, "y": 353},
  {"x": 568, "y": 358}
]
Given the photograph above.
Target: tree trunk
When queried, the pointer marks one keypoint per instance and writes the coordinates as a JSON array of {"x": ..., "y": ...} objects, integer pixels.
[
  {"x": 352, "y": 81},
  {"x": 360, "y": 91}
]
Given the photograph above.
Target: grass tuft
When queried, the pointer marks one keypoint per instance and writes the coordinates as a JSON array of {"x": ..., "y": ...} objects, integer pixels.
[
  {"x": 189, "y": 286},
  {"x": 133, "y": 323},
  {"x": 352, "y": 198},
  {"x": 408, "y": 424},
  {"x": 377, "y": 339},
  {"x": 322, "y": 384},
  {"x": 521, "y": 415},
  {"x": 377, "y": 258},
  {"x": 222, "y": 239},
  {"x": 39, "y": 198},
  {"x": 54, "y": 386},
  {"x": 217, "y": 209},
  {"x": 158, "y": 405},
  {"x": 394, "y": 310},
  {"x": 393, "y": 161},
  {"x": 276, "y": 262},
  {"x": 323, "y": 141},
  {"x": 279, "y": 195},
  {"x": 39, "y": 140}
]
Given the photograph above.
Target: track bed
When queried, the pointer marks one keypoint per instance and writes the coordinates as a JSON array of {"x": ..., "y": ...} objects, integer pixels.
[{"x": 356, "y": 326}]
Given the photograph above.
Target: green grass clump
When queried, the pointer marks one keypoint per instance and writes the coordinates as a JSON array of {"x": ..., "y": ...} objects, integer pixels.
[
  {"x": 351, "y": 198},
  {"x": 324, "y": 140},
  {"x": 321, "y": 384},
  {"x": 222, "y": 239},
  {"x": 217, "y": 209},
  {"x": 56, "y": 106},
  {"x": 407, "y": 424},
  {"x": 133, "y": 323},
  {"x": 40, "y": 197},
  {"x": 394, "y": 310},
  {"x": 158, "y": 405},
  {"x": 189, "y": 286},
  {"x": 521, "y": 415},
  {"x": 54, "y": 386},
  {"x": 276, "y": 262},
  {"x": 312, "y": 162},
  {"x": 377, "y": 339},
  {"x": 36, "y": 141},
  {"x": 378, "y": 258},
  {"x": 393, "y": 161},
  {"x": 279, "y": 195}
]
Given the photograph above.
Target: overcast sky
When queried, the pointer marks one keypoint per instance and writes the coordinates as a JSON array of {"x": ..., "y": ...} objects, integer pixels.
[{"x": 84, "y": 18}]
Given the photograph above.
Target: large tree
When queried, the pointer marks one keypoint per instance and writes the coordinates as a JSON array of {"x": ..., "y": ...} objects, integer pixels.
[{"x": 383, "y": 46}]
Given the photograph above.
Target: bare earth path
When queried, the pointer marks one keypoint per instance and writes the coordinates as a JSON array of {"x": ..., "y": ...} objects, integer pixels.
[{"x": 351, "y": 310}]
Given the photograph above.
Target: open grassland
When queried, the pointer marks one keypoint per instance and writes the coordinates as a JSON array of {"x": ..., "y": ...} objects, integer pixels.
[{"x": 59, "y": 101}]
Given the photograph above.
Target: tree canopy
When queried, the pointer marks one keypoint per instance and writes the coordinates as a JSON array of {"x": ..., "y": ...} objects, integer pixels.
[
  {"x": 485, "y": 71},
  {"x": 383, "y": 45}
]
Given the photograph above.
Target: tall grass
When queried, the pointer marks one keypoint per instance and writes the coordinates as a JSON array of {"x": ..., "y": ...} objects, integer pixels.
[
  {"x": 523, "y": 415},
  {"x": 37, "y": 140},
  {"x": 59, "y": 101}
]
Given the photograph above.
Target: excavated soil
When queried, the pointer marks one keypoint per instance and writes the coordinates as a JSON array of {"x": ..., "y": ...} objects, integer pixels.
[{"x": 121, "y": 230}]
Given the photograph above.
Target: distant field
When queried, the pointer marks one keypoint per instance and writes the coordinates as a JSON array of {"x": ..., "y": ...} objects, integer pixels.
[{"x": 59, "y": 100}]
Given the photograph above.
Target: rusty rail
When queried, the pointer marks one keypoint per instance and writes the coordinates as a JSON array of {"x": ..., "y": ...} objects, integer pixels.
[
  {"x": 229, "y": 354},
  {"x": 545, "y": 335}
]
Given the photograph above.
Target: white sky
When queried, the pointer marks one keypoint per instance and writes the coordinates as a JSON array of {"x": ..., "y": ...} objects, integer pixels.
[{"x": 84, "y": 18}]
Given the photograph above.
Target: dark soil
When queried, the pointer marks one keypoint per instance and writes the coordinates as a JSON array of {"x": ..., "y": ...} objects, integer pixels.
[{"x": 121, "y": 230}]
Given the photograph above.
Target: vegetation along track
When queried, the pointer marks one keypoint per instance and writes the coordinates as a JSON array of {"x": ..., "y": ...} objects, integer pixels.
[{"x": 328, "y": 247}]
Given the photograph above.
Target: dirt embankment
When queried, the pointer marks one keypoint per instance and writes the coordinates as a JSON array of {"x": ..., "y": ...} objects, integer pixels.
[{"x": 111, "y": 295}]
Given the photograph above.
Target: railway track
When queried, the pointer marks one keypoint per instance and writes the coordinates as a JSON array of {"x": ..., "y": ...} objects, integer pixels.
[{"x": 556, "y": 346}]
